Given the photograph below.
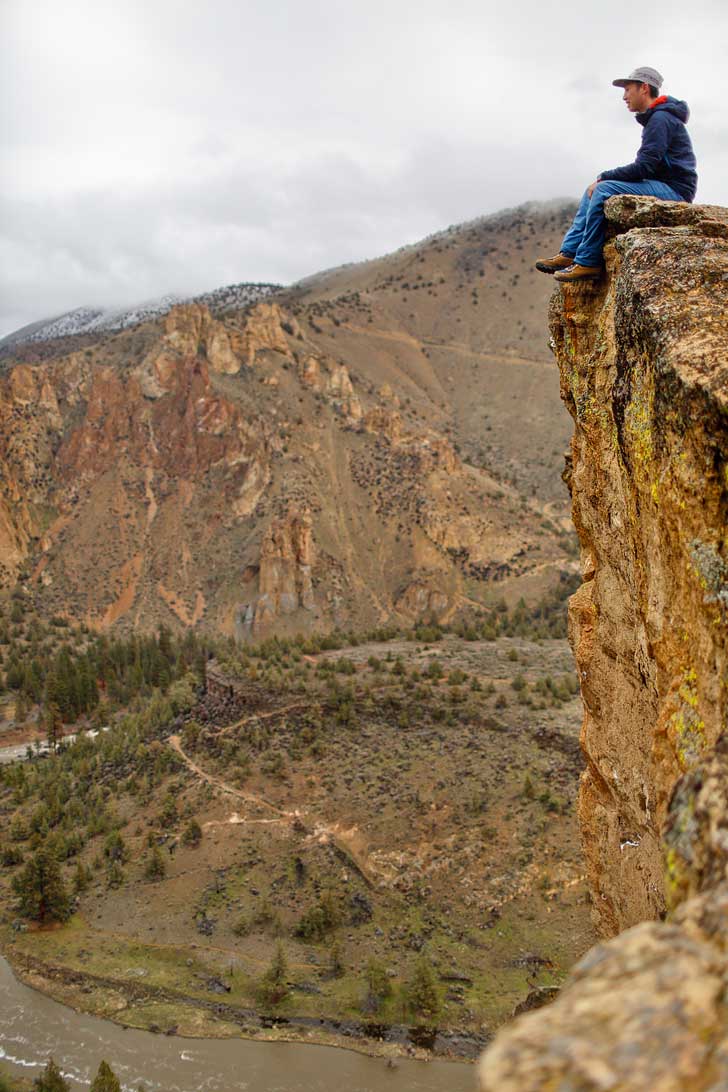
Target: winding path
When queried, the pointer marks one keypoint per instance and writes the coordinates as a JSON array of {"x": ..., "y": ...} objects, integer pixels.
[{"x": 321, "y": 832}]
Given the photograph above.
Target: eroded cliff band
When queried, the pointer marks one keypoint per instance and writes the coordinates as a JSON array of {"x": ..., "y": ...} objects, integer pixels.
[{"x": 643, "y": 360}]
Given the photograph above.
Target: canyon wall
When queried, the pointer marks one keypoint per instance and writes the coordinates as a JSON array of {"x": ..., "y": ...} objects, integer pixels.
[
  {"x": 375, "y": 445},
  {"x": 643, "y": 360}
]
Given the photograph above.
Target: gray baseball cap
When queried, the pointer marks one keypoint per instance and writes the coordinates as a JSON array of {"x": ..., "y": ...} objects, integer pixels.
[{"x": 641, "y": 75}]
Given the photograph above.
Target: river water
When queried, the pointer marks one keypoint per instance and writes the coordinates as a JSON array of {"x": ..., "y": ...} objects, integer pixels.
[{"x": 32, "y": 1027}]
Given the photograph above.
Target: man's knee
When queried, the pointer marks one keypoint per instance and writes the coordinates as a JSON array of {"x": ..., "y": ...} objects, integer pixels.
[{"x": 602, "y": 191}]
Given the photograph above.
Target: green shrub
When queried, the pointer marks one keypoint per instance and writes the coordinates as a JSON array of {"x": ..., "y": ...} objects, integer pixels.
[
  {"x": 192, "y": 834},
  {"x": 155, "y": 867}
]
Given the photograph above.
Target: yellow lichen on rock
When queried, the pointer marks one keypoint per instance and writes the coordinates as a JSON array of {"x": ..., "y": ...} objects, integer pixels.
[{"x": 644, "y": 372}]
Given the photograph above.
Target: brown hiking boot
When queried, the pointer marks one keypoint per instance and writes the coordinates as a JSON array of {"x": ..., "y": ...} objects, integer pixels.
[
  {"x": 550, "y": 265},
  {"x": 578, "y": 273}
]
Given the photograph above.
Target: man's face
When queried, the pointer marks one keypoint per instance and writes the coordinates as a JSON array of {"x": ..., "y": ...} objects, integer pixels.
[{"x": 637, "y": 96}]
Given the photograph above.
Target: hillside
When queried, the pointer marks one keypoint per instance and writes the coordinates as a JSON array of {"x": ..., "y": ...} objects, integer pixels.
[
  {"x": 393, "y": 800},
  {"x": 379, "y": 443}
]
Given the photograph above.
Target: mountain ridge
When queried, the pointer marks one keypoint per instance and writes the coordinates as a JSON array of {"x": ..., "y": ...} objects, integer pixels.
[
  {"x": 90, "y": 320},
  {"x": 380, "y": 444}
]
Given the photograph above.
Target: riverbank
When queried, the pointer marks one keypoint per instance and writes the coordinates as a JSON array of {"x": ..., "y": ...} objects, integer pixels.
[
  {"x": 172, "y": 1013},
  {"x": 35, "y": 1027}
]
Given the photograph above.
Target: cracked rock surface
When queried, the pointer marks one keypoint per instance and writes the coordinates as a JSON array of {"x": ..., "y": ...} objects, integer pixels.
[{"x": 643, "y": 359}]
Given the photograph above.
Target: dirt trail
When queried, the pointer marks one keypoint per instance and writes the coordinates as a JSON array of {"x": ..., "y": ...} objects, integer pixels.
[
  {"x": 402, "y": 337},
  {"x": 265, "y": 716},
  {"x": 348, "y": 842},
  {"x": 249, "y": 798}
]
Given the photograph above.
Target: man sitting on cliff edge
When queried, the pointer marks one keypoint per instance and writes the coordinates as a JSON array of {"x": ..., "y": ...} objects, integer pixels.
[{"x": 664, "y": 167}]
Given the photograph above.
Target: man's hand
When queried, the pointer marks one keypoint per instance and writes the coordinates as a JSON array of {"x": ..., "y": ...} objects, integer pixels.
[{"x": 590, "y": 189}]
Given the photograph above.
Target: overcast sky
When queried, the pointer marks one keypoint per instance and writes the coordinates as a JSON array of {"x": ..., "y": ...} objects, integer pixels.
[{"x": 153, "y": 146}]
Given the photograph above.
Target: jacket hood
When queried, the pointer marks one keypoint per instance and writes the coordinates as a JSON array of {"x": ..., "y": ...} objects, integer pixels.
[{"x": 680, "y": 109}]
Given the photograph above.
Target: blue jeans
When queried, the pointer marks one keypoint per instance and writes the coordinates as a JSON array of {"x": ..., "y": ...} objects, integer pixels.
[{"x": 585, "y": 238}]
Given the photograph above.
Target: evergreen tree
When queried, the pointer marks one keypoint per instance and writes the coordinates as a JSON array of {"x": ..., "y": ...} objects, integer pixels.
[
  {"x": 54, "y": 724},
  {"x": 192, "y": 834},
  {"x": 155, "y": 868},
  {"x": 88, "y": 690},
  {"x": 105, "y": 1080},
  {"x": 41, "y": 889},
  {"x": 115, "y": 848},
  {"x": 51, "y": 1079},
  {"x": 421, "y": 991},
  {"x": 273, "y": 987},
  {"x": 379, "y": 986},
  {"x": 59, "y": 690},
  {"x": 36, "y": 674},
  {"x": 336, "y": 960},
  {"x": 165, "y": 644},
  {"x": 81, "y": 877},
  {"x": 21, "y": 707},
  {"x": 114, "y": 874}
]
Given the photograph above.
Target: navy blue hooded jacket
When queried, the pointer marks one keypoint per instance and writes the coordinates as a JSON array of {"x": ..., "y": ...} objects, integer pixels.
[{"x": 666, "y": 153}]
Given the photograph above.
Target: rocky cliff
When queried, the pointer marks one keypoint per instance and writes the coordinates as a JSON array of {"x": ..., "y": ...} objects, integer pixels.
[{"x": 643, "y": 359}]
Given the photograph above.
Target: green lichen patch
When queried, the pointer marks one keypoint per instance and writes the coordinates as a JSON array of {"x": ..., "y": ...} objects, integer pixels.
[
  {"x": 638, "y": 422},
  {"x": 686, "y": 727}
]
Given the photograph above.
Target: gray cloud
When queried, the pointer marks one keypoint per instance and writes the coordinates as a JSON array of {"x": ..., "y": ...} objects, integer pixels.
[{"x": 152, "y": 149}]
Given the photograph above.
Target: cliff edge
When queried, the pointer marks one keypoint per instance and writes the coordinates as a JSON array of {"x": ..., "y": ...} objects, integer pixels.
[{"x": 643, "y": 359}]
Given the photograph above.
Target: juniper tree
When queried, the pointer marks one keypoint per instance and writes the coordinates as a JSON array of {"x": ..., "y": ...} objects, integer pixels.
[
  {"x": 192, "y": 834},
  {"x": 51, "y": 1079},
  {"x": 105, "y": 1080},
  {"x": 155, "y": 868},
  {"x": 336, "y": 960},
  {"x": 273, "y": 986},
  {"x": 421, "y": 993},
  {"x": 41, "y": 890},
  {"x": 379, "y": 987}
]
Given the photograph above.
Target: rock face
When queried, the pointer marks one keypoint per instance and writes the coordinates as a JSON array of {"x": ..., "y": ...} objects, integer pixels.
[
  {"x": 262, "y": 330},
  {"x": 648, "y": 1009},
  {"x": 644, "y": 373},
  {"x": 286, "y": 563},
  {"x": 314, "y": 460},
  {"x": 643, "y": 359}
]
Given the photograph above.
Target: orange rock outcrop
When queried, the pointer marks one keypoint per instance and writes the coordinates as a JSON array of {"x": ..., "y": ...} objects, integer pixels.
[{"x": 643, "y": 358}]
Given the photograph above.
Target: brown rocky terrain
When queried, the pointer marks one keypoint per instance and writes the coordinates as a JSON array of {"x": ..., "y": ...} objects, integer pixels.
[
  {"x": 643, "y": 358},
  {"x": 423, "y": 791},
  {"x": 383, "y": 441}
]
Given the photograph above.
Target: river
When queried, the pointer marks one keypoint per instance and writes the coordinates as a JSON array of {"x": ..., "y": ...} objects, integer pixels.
[{"x": 32, "y": 1027}]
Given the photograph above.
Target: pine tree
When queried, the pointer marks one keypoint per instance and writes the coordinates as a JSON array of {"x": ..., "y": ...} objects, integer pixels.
[
  {"x": 41, "y": 889},
  {"x": 336, "y": 960},
  {"x": 273, "y": 987},
  {"x": 421, "y": 991},
  {"x": 81, "y": 877},
  {"x": 21, "y": 707},
  {"x": 54, "y": 724},
  {"x": 165, "y": 644},
  {"x": 105, "y": 1080},
  {"x": 379, "y": 986},
  {"x": 51, "y": 1079}
]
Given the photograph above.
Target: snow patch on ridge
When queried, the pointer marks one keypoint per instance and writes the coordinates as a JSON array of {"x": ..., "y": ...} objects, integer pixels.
[{"x": 90, "y": 320}]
